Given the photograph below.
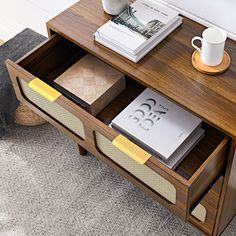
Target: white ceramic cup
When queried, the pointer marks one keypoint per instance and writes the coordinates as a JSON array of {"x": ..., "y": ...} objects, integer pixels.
[
  {"x": 114, "y": 7},
  {"x": 213, "y": 43}
]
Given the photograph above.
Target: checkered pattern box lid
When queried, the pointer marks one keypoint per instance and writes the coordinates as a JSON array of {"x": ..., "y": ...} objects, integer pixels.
[{"x": 89, "y": 79}]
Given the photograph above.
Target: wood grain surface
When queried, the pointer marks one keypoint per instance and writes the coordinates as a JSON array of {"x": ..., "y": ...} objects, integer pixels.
[{"x": 167, "y": 68}]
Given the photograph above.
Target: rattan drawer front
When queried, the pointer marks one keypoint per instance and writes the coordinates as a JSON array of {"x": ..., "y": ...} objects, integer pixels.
[
  {"x": 142, "y": 172},
  {"x": 53, "y": 109},
  {"x": 204, "y": 214}
]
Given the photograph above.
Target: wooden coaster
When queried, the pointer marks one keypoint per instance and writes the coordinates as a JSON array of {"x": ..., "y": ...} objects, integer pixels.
[{"x": 210, "y": 70}]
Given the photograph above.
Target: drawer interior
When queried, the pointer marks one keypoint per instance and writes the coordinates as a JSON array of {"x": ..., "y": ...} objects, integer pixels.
[
  {"x": 58, "y": 54},
  {"x": 50, "y": 60},
  {"x": 199, "y": 154}
]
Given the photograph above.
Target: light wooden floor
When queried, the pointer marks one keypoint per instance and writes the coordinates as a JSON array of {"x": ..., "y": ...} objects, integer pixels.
[
  {"x": 17, "y": 15},
  {"x": 1, "y": 42}
]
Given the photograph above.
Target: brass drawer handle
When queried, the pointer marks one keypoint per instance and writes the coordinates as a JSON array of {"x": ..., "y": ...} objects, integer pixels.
[
  {"x": 44, "y": 89},
  {"x": 131, "y": 149}
]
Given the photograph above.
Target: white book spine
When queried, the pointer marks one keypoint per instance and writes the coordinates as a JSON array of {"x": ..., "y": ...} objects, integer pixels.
[{"x": 142, "y": 53}]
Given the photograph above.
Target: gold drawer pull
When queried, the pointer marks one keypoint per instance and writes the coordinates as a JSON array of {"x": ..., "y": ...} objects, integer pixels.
[
  {"x": 131, "y": 149},
  {"x": 44, "y": 89}
]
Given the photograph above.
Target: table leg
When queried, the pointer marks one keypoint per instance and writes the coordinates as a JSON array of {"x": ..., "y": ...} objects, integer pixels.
[{"x": 82, "y": 151}]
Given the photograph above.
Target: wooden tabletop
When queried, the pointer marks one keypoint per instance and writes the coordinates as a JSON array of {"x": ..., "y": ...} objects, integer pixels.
[{"x": 167, "y": 68}]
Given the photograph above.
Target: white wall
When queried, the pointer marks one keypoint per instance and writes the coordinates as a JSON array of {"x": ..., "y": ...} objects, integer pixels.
[
  {"x": 15, "y": 15},
  {"x": 221, "y": 13}
]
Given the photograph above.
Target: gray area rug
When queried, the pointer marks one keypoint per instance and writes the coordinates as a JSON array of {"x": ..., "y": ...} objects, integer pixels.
[
  {"x": 47, "y": 188},
  {"x": 13, "y": 49}
]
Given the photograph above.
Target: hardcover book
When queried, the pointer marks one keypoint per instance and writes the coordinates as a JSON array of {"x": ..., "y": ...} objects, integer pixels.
[
  {"x": 136, "y": 57},
  {"x": 138, "y": 25},
  {"x": 158, "y": 125},
  {"x": 91, "y": 83}
]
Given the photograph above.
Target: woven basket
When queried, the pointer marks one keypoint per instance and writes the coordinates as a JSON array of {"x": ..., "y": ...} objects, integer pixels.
[{"x": 25, "y": 116}]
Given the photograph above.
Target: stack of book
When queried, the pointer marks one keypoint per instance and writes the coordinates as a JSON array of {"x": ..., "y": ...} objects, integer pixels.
[
  {"x": 162, "y": 128},
  {"x": 138, "y": 29}
]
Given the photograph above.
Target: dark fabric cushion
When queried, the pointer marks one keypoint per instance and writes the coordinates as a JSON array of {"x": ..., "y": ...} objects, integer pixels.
[{"x": 13, "y": 49}]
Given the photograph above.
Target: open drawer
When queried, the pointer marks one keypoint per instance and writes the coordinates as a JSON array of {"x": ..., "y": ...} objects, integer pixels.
[
  {"x": 177, "y": 189},
  {"x": 181, "y": 188},
  {"x": 203, "y": 215}
]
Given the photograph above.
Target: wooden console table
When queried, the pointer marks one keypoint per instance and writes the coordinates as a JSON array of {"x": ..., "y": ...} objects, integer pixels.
[{"x": 202, "y": 189}]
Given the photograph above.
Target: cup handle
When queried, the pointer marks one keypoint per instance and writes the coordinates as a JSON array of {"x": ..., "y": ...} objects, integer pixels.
[{"x": 196, "y": 38}]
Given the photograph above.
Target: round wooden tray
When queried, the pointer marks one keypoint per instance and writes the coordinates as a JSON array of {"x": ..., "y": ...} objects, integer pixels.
[{"x": 211, "y": 70}]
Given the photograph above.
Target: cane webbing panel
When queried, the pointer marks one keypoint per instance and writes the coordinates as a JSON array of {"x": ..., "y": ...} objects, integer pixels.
[
  {"x": 56, "y": 111},
  {"x": 142, "y": 172},
  {"x": 200, "y": 212}
]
